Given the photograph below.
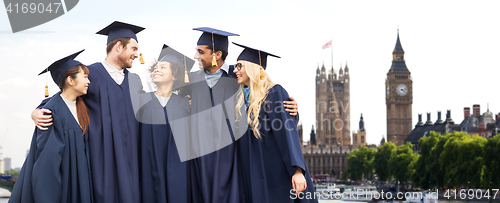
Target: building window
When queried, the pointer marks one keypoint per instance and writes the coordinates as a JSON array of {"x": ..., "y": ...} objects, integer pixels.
[{"x": 331, "y": 126}]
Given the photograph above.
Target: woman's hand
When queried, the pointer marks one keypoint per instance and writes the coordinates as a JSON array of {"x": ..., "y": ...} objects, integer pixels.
[{"x": 299, "y": 181}]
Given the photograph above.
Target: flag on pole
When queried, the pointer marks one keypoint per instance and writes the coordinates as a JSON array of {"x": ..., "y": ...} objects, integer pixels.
[{"x": 328, "y": 44}]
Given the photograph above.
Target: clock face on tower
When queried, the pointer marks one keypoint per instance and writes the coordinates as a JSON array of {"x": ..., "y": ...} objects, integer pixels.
[
  {"x": 402, "y": 90},
  {"x": 387, "y": 90}
]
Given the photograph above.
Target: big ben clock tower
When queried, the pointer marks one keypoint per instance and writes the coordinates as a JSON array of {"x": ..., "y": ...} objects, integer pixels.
[{"x": 398, "y": 97}]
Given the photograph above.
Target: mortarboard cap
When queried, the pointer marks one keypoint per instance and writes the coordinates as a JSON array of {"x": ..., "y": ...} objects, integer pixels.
[
  {"x": 254, "y": 55},
  {"x": 58, "y": 68},
  {"x": 118, "y": 29},
  {"x": 168, "y": 54},
  {"x": 219, "y": 37}
]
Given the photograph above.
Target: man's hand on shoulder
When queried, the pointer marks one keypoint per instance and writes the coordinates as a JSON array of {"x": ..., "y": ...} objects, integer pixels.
[
  {"x": 41, "y": 120},
  {"x": 291, "y": 106}
]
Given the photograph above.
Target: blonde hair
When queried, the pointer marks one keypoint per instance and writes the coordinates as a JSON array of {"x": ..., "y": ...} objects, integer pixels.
[{"x": 260, "y": 83}]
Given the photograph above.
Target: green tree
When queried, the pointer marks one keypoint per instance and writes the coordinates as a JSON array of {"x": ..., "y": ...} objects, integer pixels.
[
  {"x": 491, "y": 177},
  {"x": 420, "y": 175},
  {"x": 462, "y": 159},
  {"x": 399, "y": 162},
  {"x": 360, "y": 162},
  {"x": 435, "y": 172},
  {"x": 381, "y": 160},
  {"x": 412, "y": 169},
  {"x": 13, "y": 173}
]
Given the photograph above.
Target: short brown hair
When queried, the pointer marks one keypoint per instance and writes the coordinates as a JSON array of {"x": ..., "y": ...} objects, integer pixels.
[{"x": 123, "y": 40}]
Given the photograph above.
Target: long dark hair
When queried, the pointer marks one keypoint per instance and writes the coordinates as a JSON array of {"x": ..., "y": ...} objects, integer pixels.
[{"x": 81, "y": 109}]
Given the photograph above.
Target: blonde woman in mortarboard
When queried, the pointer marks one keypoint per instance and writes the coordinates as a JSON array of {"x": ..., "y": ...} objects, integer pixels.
[{"x": 271, "y": 160}]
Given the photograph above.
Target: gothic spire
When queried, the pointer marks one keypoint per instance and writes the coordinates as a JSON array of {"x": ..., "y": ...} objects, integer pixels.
[{"x": 398, "y": 48}]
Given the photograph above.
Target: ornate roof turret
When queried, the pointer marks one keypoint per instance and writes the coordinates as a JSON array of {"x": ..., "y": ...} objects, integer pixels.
[
  {"x": 398, "y": 48},
  {"x": 398, "y": 59},
  {"x": 361, "y": 124},
  {"x": 439, "y": 120},
  {"x": 313, "y": 136},
  {"x": 448, "y": 118},
  {"x": 429, "y": 122},
  {"x": 420, "y": 123}
]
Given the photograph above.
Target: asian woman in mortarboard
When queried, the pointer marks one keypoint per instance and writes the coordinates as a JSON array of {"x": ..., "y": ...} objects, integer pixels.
[
  {"x": 163, "y": 127},
  {"x": 271, "y": 164},
  {"x": 57, "y": 166}
]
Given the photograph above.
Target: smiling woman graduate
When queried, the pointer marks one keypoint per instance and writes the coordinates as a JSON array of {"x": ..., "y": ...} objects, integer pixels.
[
  {"x": 272, "y": 166},
  {"x": 57, "y": 166},
  {"x": 164, "y": 129}
]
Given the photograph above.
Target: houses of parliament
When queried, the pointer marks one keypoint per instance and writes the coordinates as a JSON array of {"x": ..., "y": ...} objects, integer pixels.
[{"x": 330, "y": 139}]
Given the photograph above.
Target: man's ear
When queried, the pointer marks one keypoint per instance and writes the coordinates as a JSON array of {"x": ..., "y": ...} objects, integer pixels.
[
  {"x": 118, "y": 46},
  {"x": 218, "y": 55}
]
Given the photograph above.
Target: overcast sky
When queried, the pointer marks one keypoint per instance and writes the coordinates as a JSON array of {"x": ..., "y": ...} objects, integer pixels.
[{"x": 451, "y": 49}]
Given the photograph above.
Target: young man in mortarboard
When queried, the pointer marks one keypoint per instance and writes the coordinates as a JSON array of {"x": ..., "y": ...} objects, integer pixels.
[
  {"x": 214, "y": 127},
  {"x": 113, "y": 132}
]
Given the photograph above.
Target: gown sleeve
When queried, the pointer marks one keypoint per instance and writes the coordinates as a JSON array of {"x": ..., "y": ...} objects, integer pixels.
[
  {"x": 284, "y": 129},
  {"x": 46, "y": 176},
  {"x": 40, "y": 106}
]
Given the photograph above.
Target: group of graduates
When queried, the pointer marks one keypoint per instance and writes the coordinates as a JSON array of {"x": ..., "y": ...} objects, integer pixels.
[{"x": 221, "y": 134}]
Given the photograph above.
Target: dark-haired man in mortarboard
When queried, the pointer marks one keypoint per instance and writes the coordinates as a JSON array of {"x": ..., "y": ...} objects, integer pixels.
[
  {"x": 113, "y": 132},
  {"x": 214, "y": 128}
]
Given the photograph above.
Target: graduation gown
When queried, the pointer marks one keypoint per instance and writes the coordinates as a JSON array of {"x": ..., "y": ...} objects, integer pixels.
[
  {"x": 214, "y": 175},
  {"x": 164, "y": 177},
  {"x": 57, "y": 166},
  {"x": 268, "y": 164},
  {"x": 113, "y": 136}
]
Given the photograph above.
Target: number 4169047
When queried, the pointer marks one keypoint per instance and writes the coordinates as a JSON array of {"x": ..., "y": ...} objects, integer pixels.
[
  {"x": 472, "y": 194},
  {"x": 32, "y": 8}
]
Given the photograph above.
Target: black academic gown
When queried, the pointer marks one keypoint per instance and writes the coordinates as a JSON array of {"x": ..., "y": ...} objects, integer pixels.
[
  {"x": 164, "y": 177},
  {"x": 267, "y": 165},
  {"x": 113, "y": 136},
  {"x": 57, "y": 166},
  {"x": 214, "y": 174}
]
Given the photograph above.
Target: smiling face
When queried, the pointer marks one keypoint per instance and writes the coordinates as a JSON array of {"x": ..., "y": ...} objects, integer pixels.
[
  {"x": 162, "y": 73},
  {"x": 127, "y": 54},
  {"x": 81, "y": 83},
  {"x": 204, "y": 57},
  {"x": 241, "y": 73}
]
